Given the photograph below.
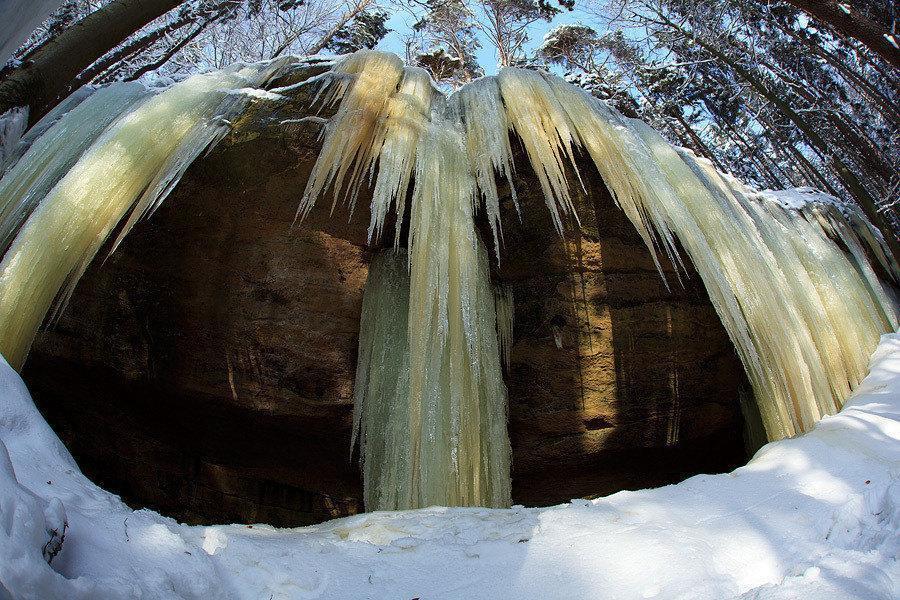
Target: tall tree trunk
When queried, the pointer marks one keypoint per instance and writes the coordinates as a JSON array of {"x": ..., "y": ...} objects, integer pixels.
[
  {"x": 697, "y": 142},
  {"x": 170, "y": 52},
  {"x": 758, "y": 158},
  {"x": 861, "y": 148},
  {"x": 813, "y": 176},
  {"x": 111, "y": 61},
  {"x": 47, "y": 76},
  {"x": 851, "y": 23},
  {"x": 887, "y": 105}
]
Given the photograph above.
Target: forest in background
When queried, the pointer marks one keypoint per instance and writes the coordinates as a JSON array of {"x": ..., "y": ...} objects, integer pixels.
[{"x": 781, "y": 94}]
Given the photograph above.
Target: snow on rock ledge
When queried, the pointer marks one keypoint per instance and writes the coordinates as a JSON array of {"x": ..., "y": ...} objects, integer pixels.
[{"x": 815, "y": 516}]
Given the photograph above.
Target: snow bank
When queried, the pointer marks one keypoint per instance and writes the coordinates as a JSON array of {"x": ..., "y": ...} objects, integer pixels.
[{"x": 811, "y": 517}]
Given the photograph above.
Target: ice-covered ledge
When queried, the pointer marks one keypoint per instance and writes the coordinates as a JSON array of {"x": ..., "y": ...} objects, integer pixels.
[{"x": 815, "y": 517}]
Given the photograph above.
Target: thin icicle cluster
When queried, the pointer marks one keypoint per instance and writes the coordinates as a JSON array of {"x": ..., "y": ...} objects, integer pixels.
[
  {"x": 49, "y": 120},
  {"x": 506, "y": 310},
  {"x": 478, "y": 107},
  {"x": 363, "y": 83},
  {"x": 406, "y": 119},
  {"x": 129, "y": 168},
  {"x": 540, "y": 121},
  {"x": 603, "y": 133}
]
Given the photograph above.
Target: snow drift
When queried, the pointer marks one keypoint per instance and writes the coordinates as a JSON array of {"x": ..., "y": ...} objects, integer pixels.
[{"x": 811, "y": 517}]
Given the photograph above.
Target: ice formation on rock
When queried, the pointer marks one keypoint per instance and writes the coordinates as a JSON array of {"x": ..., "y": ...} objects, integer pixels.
[
  {"x": 381, "y": 387},
  {"x": 803, "y": 284},
  {"x": 803, "y": 313},
  {"x": 445, "y": 443},
  {"x": 457, "y": 394},
  {"x": 125, "y": 172},
  {"x": 55, "y": 152}
]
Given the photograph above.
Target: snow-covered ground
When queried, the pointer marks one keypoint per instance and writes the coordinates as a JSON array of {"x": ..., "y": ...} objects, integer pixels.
[{"x": 812, "y": 517}]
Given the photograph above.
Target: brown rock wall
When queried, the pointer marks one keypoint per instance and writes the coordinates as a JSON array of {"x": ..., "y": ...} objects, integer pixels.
[{"x": 206, "y": 368}]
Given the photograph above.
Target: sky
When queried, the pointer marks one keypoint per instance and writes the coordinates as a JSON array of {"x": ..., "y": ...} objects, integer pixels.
[{"x": 401, "y": 23}]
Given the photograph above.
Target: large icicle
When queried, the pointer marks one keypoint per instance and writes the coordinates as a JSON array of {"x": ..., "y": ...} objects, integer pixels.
[
  {"x": 789, "y": 377},
  {"x": 381, "y": 387},
  {"x": 796, "y": 366},
  {"x": 406, "y": 119},
  {"x": 56, "y": 151},
  {"x": 480, "y": 110},
  {"x": 144, "y": 152},
  {"x": 539, "y": 120},
  {"x": 835, "y": 299},
  {"x": 430, "y": 403},
  {"x": 364, "y": 83},
  {"x": 460, "y": 447}
]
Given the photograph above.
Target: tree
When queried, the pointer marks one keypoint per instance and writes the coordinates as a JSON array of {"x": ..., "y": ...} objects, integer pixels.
[
  {"x": 849, "y": 22},
  {"x": 506, "y": 22},
  {"x": 45, "y": 77},
  {"x": 364, "y": 31},
  {"x": 444, "y": 42},
  {"x": 572, "y": 46},
  {"x": 757, "y": 85},
  {"x": 456, "y": 24}
]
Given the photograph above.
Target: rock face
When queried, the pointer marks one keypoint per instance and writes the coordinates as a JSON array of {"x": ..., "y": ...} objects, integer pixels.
[{"x": 206, "y": 368}]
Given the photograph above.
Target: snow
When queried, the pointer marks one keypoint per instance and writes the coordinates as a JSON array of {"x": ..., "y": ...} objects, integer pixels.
[
  {"x": 810, "y": 517},
  {"x": 798, "y": 198}
]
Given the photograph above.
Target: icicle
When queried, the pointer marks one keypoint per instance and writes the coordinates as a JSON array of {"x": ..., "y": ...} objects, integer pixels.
[
  {"x": 381, "y": 387},
  {"x": 843, "y": 304},
  {"x": 621, "y": 160},
  {"x": 55, "y": 152},
  {"x": 13, "y": 124},
  {"x": 482, "y": 113},
  {"x": 49, "y": 120},
  {"x": 459, "y": 445},
  {"x": 68, "y": 227},
  {"x": 505, "y": 307},
  {"x": 430, "y": 403},
  {"x": 789, "y": 378},
  {"x": 749, "y": 270},
  {"x": 541, "y": 123},
  {"x": 364, "y": 82},
  {"x": 405, "y": 120}
]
